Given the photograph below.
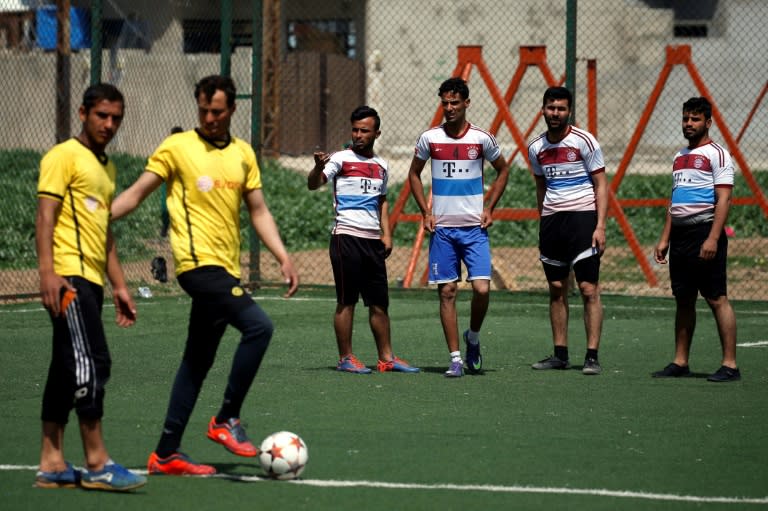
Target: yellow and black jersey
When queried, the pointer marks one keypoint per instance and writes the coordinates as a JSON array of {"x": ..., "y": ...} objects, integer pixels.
[
  {"x": 205, "y": 185},
  {"x": 84, "y": 183}
]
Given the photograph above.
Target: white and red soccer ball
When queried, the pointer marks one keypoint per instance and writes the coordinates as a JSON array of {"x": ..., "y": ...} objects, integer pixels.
[{"x": 283, "y": 455}]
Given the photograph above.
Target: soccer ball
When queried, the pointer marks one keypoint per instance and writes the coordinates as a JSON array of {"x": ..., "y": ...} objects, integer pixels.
[{"x": 283, "y": 455}]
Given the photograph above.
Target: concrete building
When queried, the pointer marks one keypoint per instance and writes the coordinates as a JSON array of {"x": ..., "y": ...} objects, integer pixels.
[{"x": 393, "y": 54}]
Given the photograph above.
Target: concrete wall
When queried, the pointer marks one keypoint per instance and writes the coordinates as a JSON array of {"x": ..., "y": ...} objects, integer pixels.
[{"x": 409, "y": 50}]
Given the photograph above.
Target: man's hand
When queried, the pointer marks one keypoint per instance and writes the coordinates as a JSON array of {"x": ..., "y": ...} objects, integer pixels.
[
  {"x": 486, "y": 218},
  {"x": 291, "y": 278},
  {"x": 125, "y": 308},
  {"x": 708, "y": 249},
  {"x": 51, "y": 286},
  {"x": 598, "y": 239},
  {"x": 428, "y": 221},
  {"x": 387, "y": 241},
  {"x": 321, "y": 159},
  {"x": 660, "y": 252}
]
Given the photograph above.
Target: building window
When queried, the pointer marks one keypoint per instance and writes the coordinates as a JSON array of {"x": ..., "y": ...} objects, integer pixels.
[
  {"x": 324, "y": 36},
  {"x": 204, "y": 35},
  {"x": 691, "y": 29}
]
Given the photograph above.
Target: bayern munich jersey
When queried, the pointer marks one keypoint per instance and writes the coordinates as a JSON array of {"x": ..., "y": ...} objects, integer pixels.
[
  {"x": 696, "y": 173},
  {"x": 358, "y": 185},
  {"x": 567, "y": 166},
  {"x": 457, "y": 173},
  {"x": 84, "y": 184}
]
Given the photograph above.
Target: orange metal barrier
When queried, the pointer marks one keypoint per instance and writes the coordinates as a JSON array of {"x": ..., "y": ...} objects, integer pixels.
[
  {"x": 675, "y": 56},
  {"x": 530, "y": 56}
]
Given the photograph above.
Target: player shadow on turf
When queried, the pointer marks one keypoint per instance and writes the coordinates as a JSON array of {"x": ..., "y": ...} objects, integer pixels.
[
  {"x": 233, "y": 472},
  {"x": 238, "y": 470},
  {"x": 435, "y": 369},
  {"x": 441, "y": 370}
]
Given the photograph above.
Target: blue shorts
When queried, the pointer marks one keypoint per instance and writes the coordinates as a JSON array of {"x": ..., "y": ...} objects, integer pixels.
[{"x": 449, "y": 246}]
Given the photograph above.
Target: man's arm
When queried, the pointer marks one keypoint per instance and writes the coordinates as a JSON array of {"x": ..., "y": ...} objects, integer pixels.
[
  {"x": 51, "y": 283},
  {"x": 266, "y": 228},
  {"x": 386, "y": 234},
  {"x": 661, "y": 248},
  {"x": 497, "y": 189},
  {"x": 722, "y": 207},
  {"x": 135, "y": 194},
  {"x": 541, "y": 191},
  {"x": 600, "y": 182},
  {"x": 125, "y": 308},
  {"x": 417, "y": 190},
  {"x": 316, "y": 179}
]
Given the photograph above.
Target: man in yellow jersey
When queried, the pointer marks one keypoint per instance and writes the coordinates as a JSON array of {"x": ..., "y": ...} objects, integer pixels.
[
  {"x": 208, "y": 172},
  {"x": 74, "y": 249}
]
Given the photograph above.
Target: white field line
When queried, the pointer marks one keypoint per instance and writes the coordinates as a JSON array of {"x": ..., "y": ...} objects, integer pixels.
[
  {"x": 756, "y": 344},
  {"x": 595, "y": 492},
  {"x": 542, "y": 304}
]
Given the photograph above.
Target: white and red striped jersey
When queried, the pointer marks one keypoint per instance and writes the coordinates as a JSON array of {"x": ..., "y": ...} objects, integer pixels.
[
  {"x": 696, "y": 172},
  {"x": 358, "y": 184},
  {"x": 567, "y": 167},
  {"x": 457, "y": 173}
]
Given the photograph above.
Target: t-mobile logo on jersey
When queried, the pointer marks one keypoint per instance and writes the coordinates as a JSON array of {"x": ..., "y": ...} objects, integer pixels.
[
  {"x": 367, "y": 186},
  {"x": 449, "y": 168}
]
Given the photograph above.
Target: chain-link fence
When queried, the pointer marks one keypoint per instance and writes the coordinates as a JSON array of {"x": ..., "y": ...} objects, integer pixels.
[{"x": 636, "y": 62}]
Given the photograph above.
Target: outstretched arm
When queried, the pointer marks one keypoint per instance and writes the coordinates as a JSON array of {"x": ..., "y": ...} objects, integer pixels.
[
  {"x": 315, "y": 178},
  {"x": 266, "y": 228},
  {"x": 135, "y": 194}
]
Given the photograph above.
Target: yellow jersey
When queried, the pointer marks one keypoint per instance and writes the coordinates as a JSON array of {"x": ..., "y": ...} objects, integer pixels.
[
  {"x": 84, "y": 183},
  {"x": 205, "y": 184}
]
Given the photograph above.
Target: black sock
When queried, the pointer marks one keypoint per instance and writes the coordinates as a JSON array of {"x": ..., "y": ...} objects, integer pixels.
[
  {"x": 591, "y": 354},
  {"x": 561, "y": 352},
  {"x": 168, "y": 444}
]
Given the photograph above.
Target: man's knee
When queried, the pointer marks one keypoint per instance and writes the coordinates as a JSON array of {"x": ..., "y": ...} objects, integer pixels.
[
  {"x": 447, "y": 291},
  {"x": 254, "y": 324},
  {"x": 590, "y": 291},
  {"x": 481, "y": 288}
]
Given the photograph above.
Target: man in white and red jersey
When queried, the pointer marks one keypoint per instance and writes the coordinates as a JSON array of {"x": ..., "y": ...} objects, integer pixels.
[
  {"x": 459, "y": 215},
  {"x": 360, "y": 240},
  {"x": 694, "y": 235},
  {"x": 572, "y": 198}
]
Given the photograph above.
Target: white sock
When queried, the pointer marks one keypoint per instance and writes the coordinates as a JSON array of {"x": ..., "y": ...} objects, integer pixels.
[
  {"x": 455, "y": 356},
  {"x": 473, "y": 337}
]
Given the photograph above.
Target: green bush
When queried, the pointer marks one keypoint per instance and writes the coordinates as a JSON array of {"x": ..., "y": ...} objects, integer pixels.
[{"x": 305, "y": 217}]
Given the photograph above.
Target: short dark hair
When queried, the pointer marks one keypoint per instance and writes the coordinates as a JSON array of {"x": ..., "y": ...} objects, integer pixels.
[
  {"x": 210, "y": 84},
  {"x": 456, "y": 85},
  {"x": 554, "y": 93},
  {"x": 100, "y": 92},
  {"x": 698, "y": 106},
  {"x": 363, "y": 112}
]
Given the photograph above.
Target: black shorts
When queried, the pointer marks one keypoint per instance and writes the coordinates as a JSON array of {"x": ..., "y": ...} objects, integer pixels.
[
  {"x": 689, "y": 273},
  {"x": 80, "y": 363},
  {"x": 359, "y": 270},
  {"x": 565, "y": 242}
]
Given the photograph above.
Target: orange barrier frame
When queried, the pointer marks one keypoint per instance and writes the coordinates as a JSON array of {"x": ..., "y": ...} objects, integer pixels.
[
  {"x": 681, "y": 55},
  {"x": 469, "y": 56},
  {"x": 748, "y": 121}
]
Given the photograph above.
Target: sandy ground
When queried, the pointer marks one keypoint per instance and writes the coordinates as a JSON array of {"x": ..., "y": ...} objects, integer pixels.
[{"x": 516, "y": 269}]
